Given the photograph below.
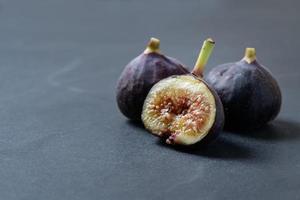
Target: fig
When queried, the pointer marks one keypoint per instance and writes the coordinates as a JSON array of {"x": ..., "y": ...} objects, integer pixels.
[
  {"x": 140, "y": 75},
  {"x": 184, "y": 109},
  {"x": 250, "y": 94}
]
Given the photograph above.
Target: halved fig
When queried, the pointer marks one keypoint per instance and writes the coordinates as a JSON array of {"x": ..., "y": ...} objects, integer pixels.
[{"x": 183, "y": 108}]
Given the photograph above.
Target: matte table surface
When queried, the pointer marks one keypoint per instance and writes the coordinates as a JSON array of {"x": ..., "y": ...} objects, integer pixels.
[{"x": 62, "y": 136}]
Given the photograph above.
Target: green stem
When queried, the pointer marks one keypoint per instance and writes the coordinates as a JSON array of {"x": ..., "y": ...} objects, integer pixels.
[
  {"x": 205, "y": 52},
  {"x": 153, "y": 46},
  {"x": 250, "y": 55}
]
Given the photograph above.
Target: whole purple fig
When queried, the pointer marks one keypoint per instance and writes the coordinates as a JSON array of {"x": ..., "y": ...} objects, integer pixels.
[
  {"x": 250, "y": 94},
  {"x": 140, "y": 75}
]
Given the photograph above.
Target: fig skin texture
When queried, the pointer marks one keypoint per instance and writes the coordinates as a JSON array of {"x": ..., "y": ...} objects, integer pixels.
[
  {"x": 184, "y": 109},
  {"x": 250, "y": 95},
  {"x": 140, "y": 75},
  {"x": 219, "y": 122}
]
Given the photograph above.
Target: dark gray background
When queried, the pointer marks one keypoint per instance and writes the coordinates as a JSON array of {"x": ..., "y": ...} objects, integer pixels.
[{"x": 62, "y": 137}]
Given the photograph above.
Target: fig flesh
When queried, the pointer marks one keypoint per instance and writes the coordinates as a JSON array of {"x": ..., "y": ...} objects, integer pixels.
[
  {"x": 140, "y": 75},
  {"x": 250, "y": 95},
  {"x": 183, "y": 108}
]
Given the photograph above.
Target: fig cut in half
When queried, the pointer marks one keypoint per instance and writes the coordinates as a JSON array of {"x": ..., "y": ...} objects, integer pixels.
[{"x": 183, "y": 108}]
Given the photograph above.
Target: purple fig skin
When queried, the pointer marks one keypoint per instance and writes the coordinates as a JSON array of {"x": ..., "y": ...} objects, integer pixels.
[
  {"x": 139, "y": 76},
  {"x": 218, "y": 125},
  {"x": 250, "y": 95},
  {"x": 219, "y": 119}
]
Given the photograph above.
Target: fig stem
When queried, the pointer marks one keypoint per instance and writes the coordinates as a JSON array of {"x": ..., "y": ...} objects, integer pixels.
[
  {"x": 205, "y": 52},
  {"x": 250, "y": 55},
  {"x": 153, "y": 46}
]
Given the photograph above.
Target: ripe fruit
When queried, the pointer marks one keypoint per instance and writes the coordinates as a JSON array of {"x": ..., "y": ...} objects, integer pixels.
[
  {"x": 250, "y": 95},
  {"x": 140, "y": 75},
  {"x": 183, "y": 108}
]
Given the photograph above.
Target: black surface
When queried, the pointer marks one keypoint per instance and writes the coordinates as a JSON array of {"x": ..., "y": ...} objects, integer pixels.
[{"x": 62, "y": 136}]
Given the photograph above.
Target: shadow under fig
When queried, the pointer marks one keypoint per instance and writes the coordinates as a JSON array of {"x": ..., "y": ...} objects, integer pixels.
[
  {"x": 135, "y": 124},
  {"x": 221, "y": 148},
  {"x": 275, "y": 131}
]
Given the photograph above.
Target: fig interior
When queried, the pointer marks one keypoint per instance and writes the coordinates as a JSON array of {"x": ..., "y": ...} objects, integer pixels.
[{"x": 180, "y": 108}]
